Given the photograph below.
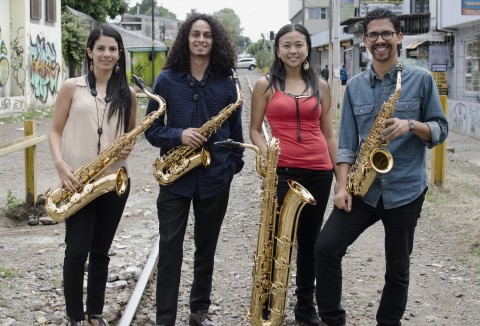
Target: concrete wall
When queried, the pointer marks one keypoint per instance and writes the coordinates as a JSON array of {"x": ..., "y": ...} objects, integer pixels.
[{"x": 31, "y": 63}]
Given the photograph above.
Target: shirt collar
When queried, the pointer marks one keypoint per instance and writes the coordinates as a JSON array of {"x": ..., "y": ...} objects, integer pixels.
[{"x": 392, "y": 74}]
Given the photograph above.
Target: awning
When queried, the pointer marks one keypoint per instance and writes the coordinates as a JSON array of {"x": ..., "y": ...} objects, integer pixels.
[{"x": 415, "y": 45}]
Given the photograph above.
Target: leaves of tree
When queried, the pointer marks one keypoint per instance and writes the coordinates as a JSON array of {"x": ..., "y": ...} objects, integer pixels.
[{"x": 100, "y": 10}]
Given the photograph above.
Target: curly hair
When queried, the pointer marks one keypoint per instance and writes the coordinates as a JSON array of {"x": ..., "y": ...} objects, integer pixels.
[
  {"x": 222, "y": 57},
  {"x": 381, "y": 13}
]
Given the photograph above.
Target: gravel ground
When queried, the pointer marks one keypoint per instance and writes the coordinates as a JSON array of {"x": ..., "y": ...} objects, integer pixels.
[{"x": 445, "y": 272}]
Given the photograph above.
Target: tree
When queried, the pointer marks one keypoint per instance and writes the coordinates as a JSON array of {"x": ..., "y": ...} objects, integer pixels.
[
  {"x": 74, "y": 40},
  {"x": 231, "y": 22},
  {"x": 100, "y": 10},
  {"x": 145, "y": 8}
]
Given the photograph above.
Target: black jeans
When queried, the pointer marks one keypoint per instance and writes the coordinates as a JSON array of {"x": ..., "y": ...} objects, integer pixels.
[
  {"x": 318, "y": 183},
  {"x": 340, "y": 231},
  {"x": 173, "y": 211},
  {"x": 89, "y": 233}
]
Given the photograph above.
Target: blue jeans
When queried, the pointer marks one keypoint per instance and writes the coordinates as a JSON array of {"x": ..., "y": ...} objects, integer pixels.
[
  {"x": 340, "y": 231},
  {"x": 173, "y": 212}
]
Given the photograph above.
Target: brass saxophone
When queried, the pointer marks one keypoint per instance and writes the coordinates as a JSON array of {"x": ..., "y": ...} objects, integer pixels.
[
  {"x": 62, "y": 203},
  {"x": 277, "y": 231},
  {"x": 180, "y": 160},
  {"x": 373, "y": 156}
]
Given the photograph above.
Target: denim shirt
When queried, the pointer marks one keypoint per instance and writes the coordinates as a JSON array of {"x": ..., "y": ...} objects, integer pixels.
[
  {"x": 190, "y": 103},
  {"x": 419, "y": 100}
]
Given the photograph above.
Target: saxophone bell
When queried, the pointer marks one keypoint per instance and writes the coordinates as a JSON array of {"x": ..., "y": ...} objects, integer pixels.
[{"x": 381, "y": 160}]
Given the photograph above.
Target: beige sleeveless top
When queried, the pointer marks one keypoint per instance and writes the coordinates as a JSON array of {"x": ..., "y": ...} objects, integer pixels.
[{"x": 80, "y": 136}]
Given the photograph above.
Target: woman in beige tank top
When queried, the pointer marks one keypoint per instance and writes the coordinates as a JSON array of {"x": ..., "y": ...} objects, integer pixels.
[{"x": 91, "y": 111}]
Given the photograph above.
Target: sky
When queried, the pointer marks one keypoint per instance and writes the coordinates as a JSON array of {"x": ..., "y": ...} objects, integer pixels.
[{"x": 256, "y": 16}]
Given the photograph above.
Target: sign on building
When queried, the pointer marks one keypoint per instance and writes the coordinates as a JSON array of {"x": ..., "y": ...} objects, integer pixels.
[{"x": 396, "y": 6}]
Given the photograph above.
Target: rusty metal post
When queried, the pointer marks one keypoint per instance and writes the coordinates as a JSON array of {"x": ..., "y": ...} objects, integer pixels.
[{"x": 438, "y": 155}]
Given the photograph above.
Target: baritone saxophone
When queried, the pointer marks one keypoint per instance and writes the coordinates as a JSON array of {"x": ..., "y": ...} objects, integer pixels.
[
  {"x": 276, "y": 238},
  {"x": 62, "y": 203},
  {"x": 180, "y": 160},
  {"x": 373, "y": 156}
]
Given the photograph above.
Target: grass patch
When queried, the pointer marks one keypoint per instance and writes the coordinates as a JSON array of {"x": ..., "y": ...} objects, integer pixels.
[
  {"x": 6, "y": 272},
  {"x": 34, "y": 112}
]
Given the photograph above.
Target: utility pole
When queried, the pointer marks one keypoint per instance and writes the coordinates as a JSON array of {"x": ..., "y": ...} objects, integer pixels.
[
  {"x": 335, "y": 57},
  {"x": 303, "y": 12},
  {"x": 153, "y": 42}
]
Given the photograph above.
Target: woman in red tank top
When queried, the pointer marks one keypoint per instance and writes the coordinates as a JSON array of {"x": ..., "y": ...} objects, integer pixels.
[{"x": 297, "y": 105}]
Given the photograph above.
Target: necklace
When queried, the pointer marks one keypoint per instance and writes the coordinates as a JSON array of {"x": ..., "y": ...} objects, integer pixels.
[{"x": 100, "y": 125}]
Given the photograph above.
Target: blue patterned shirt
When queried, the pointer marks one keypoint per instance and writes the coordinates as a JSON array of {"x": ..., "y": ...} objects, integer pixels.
[
  {"x": 189, "y": 104},
  {"x": 419, "y": 100}
]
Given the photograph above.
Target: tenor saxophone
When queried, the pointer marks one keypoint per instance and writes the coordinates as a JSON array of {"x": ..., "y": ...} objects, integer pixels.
[
  {"x": 373, "y": 156},
  {"x": 276, "y": 239},
  {"x": 180, "y": 160},
  {"x": 62, "y": 203}
]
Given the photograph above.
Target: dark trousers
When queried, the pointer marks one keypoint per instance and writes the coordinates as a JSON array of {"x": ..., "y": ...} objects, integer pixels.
[
  {"x": 89, "y": 233},
  {"x": 173, "y": 211},
  {"x": 340, "y": 231},
  {"x": 318, "y": 183}
]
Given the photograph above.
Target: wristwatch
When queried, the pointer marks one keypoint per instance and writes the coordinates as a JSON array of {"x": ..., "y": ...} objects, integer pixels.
[{"x": 411, "y": 124}]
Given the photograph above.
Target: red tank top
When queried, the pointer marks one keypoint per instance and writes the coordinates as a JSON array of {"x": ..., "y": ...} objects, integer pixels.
[{"x": 311, "y": 152}]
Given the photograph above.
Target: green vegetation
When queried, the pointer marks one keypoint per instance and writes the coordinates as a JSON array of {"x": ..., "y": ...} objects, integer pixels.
[
  {"x": 11, "y": 200},
  {"x": 6, "y": 272},
  {"x": 34, "y": 112}
]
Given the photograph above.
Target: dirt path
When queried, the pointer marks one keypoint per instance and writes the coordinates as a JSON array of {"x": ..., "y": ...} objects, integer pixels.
[{"x": 445, "y": 273}]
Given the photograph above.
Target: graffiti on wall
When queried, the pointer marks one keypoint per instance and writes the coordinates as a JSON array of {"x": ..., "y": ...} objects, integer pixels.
[
  {"x": 18, "y": 71},
  {"x": 43, "y": 68},
  {"x": 4, "y": 64},
  {"x": 464, "y": 118},
  {"x": 12, "y": 104}
]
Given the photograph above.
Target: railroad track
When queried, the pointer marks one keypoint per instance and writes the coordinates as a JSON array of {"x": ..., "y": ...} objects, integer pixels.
[{"x": 149, "y": 269}]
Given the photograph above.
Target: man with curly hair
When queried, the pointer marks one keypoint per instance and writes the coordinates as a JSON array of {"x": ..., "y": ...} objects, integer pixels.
[{"x": 196, "y": 86}]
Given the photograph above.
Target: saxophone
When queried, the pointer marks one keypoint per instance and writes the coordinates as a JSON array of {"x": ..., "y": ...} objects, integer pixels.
[
  {"x": 373, "y": 156},
  {"x": 271, "y": 272},
  {"x": 181, "y": 159},
  {"x": 62, "y": 203}
]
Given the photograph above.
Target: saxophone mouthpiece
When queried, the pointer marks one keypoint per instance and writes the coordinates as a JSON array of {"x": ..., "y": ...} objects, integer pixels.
[
  {"x": 139, "y": 81},
  {"x": 228, "y": 143}
]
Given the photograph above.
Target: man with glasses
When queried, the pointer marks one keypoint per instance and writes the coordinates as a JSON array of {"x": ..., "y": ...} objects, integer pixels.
[{"x": 396, "y": 197}]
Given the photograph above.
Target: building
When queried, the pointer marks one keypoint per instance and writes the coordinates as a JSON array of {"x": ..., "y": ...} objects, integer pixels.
[
  {"x": 31, "y": 63},
  {"x": 164, "y": 28},
  {"x": 441, "y": 36}
]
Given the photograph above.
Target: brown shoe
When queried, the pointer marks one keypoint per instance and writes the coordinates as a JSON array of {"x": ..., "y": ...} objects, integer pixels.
[{"x": 201, "y": 318}]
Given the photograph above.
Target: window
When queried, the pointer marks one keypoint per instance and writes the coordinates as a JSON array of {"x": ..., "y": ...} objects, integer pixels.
[
  {"x": 472, "y": 65},
  {"x": 36, "y": 9},
  {"x": 51, "y": 11},
  {"x": 317, "y": 13}
]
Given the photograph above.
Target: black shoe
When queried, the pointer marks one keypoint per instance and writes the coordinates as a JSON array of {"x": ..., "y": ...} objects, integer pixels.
[
  {"x": 72, "y": 322},
  {"x": 94, "y": 320},
  {"x": 201, "y": 318},
  {"x": 307, "y": 315}
]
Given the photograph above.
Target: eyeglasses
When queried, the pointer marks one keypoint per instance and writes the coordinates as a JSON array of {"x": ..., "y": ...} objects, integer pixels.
[{"x": 386, "y": 35}]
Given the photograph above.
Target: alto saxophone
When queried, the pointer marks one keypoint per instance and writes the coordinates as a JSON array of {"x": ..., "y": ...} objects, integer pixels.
[
  {"x": 276, "y": 239},
  {"x": 181, "y": 159},
  {"x": 62, "y": 203},
  {"x": 373, "y": 156}
]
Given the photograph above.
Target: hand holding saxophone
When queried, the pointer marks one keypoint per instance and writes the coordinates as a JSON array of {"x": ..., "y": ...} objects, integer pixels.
[
  {"x": 193, "y": 138},
  {"x": 123, "y": 155},
  {"x": 394, "y": 128},
  {"x": 67, "y": 179}
]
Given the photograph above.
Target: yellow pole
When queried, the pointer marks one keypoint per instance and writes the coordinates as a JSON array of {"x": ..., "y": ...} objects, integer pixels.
[
  {"x": 438, "y": 155},
  {"x": 30, "y": 184}
]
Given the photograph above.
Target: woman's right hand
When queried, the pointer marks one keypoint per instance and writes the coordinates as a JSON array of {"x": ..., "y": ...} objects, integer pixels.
[{"x": 67, "y": 179}]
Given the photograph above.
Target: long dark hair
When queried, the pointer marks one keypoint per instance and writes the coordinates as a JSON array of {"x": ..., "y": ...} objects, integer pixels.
[
  {"x": 222, "y": 57},
  {"x": 277, "y": 70},
  {"x": 117, "y": 88}
]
